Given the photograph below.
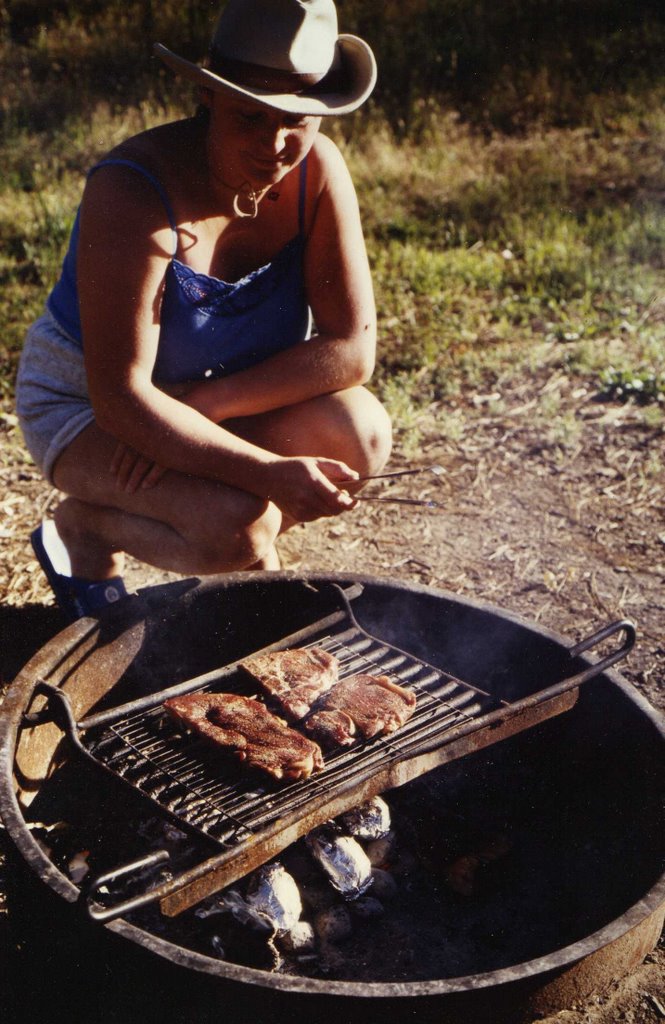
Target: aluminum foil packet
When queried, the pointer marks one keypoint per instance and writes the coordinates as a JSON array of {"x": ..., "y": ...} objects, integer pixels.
[
  {"x": 233, "y": 903},
  {"x": 369, "y": 821},
  {"x": 273, "y": 893},
  {"x": 343, "y": 860}
]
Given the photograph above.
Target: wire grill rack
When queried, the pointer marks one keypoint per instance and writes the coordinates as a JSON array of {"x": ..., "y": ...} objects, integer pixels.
[
  {"x": 248, "y": 819},
  {"x": 223, "y": 800}
]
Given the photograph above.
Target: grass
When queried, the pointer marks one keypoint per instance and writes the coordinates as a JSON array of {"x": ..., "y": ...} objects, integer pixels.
[
  {"x": 497, "y": 254},
  {"x": 495, "y": 257}
]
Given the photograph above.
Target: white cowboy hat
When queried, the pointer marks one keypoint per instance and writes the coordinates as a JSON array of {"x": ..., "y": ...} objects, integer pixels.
[{"x": 285, "y": 54}]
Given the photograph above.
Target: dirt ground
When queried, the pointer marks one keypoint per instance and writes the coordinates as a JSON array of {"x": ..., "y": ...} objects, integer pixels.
[{"x": 570, "y": 536}]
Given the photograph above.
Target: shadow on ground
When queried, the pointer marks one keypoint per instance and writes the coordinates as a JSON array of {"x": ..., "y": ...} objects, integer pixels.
[{"x": 23, "y": 631}]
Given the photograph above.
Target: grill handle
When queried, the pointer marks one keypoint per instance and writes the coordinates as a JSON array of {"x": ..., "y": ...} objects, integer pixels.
[
  {"x": 621, "y": 626},
  {"x": 105, "y": 913}
]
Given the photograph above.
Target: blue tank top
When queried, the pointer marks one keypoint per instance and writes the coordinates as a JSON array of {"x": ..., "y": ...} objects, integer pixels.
[{"x": 209, "y": 327}]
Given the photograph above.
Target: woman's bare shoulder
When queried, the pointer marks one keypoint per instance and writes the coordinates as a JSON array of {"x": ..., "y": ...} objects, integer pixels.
[
  {"x": 163, "y": 148},
  {"x": 121, "y": 205},
  {"x": 332, "y": 179},
  {"x": 120, "y": 194},
  {"x": 328, "y": 161}
]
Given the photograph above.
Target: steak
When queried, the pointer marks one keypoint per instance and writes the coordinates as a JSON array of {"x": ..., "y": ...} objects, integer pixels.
[
  {"x": 246, "y": 728},
  {"x": 295, "y": 678},
  {"x": 361, "y": 706},
  {"x": 334, "y": 728}
]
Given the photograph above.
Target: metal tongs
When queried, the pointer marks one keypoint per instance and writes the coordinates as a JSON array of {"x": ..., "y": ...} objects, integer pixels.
[{"x": 423, "y": 502}]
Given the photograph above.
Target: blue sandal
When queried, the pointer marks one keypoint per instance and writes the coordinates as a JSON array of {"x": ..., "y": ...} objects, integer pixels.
[{"x": 75, "y": 596}]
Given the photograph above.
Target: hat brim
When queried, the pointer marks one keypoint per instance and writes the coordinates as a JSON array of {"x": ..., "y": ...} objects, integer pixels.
[{"x": 359, "y": 78}]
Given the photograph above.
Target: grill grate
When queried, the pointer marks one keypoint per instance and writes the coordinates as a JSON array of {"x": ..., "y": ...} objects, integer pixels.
[
  {"x": 251, "y": 819},
  {"x": 229, "y": 803}
]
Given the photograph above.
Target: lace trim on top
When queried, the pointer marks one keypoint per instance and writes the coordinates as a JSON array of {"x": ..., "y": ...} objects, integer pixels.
[{"x": 214, "y": 297}]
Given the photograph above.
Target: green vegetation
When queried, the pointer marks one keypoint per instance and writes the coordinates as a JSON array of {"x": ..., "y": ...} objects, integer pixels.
[
  {"x": 645, "y": 386},
  {"x": 492, "y": 256},
  {"x": 509, "y": 170}
]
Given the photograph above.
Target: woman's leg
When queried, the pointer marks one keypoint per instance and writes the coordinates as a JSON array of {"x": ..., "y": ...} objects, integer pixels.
[
  {"x": 349, "y": 425},
  {"x": 194, "y": 526},
  {"x": 182, "y": 524}
]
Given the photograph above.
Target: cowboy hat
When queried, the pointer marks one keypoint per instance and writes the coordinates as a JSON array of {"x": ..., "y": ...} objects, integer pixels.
[{"x": 285, "y": 54}]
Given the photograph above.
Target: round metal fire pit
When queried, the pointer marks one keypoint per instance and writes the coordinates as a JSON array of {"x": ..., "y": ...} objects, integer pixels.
[{"x": 582, "y": 892}]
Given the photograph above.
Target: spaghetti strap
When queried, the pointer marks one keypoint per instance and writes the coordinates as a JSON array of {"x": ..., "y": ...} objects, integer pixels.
[
  {"x": 302, "y": 196},
  {"x": 155, "y": 182}
]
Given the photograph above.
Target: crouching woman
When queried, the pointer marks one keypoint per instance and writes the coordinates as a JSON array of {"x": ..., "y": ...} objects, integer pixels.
[{"x": 173, "y": 390}]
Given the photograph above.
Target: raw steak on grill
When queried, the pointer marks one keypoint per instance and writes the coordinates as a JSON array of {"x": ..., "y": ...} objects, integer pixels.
[
  {"x": 295, "y": 678},
  {"x": 250, "y": 731},
  {"x": 361, "y": 706}
]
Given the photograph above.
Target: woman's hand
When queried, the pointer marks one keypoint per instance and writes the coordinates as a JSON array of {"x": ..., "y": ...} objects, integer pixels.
[
  {"x": 132, "y": 470},
  {"x": 307, "y": 488}
]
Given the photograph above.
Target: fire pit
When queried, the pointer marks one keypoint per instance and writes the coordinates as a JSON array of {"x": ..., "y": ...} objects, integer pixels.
[{"x": 528, "y": 814}]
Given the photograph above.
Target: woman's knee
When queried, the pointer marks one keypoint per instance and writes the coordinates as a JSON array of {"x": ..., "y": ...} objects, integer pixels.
[
  {"x": 349, "y": 425},
  {"x": 363, "y": 429}
]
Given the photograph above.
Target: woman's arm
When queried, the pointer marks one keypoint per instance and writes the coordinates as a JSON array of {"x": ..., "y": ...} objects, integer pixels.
[{"x": 339, "y": 291}]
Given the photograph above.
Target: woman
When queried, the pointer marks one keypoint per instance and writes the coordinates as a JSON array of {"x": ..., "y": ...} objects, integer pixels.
[{"x": 169, "y": 390}]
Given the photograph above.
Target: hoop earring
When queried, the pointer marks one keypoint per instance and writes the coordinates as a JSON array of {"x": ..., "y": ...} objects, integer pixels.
[{"x": 253, "y": 198}]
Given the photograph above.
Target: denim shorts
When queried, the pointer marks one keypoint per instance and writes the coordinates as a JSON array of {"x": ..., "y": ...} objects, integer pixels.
[{"x": 52, "y": 400}]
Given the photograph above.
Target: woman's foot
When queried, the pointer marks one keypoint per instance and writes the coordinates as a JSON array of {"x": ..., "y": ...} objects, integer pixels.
[{"x": 76, "y": 596}]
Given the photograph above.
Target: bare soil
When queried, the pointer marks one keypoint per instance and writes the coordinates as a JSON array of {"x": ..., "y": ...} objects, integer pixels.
[{"x": 571, "y": 536}]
